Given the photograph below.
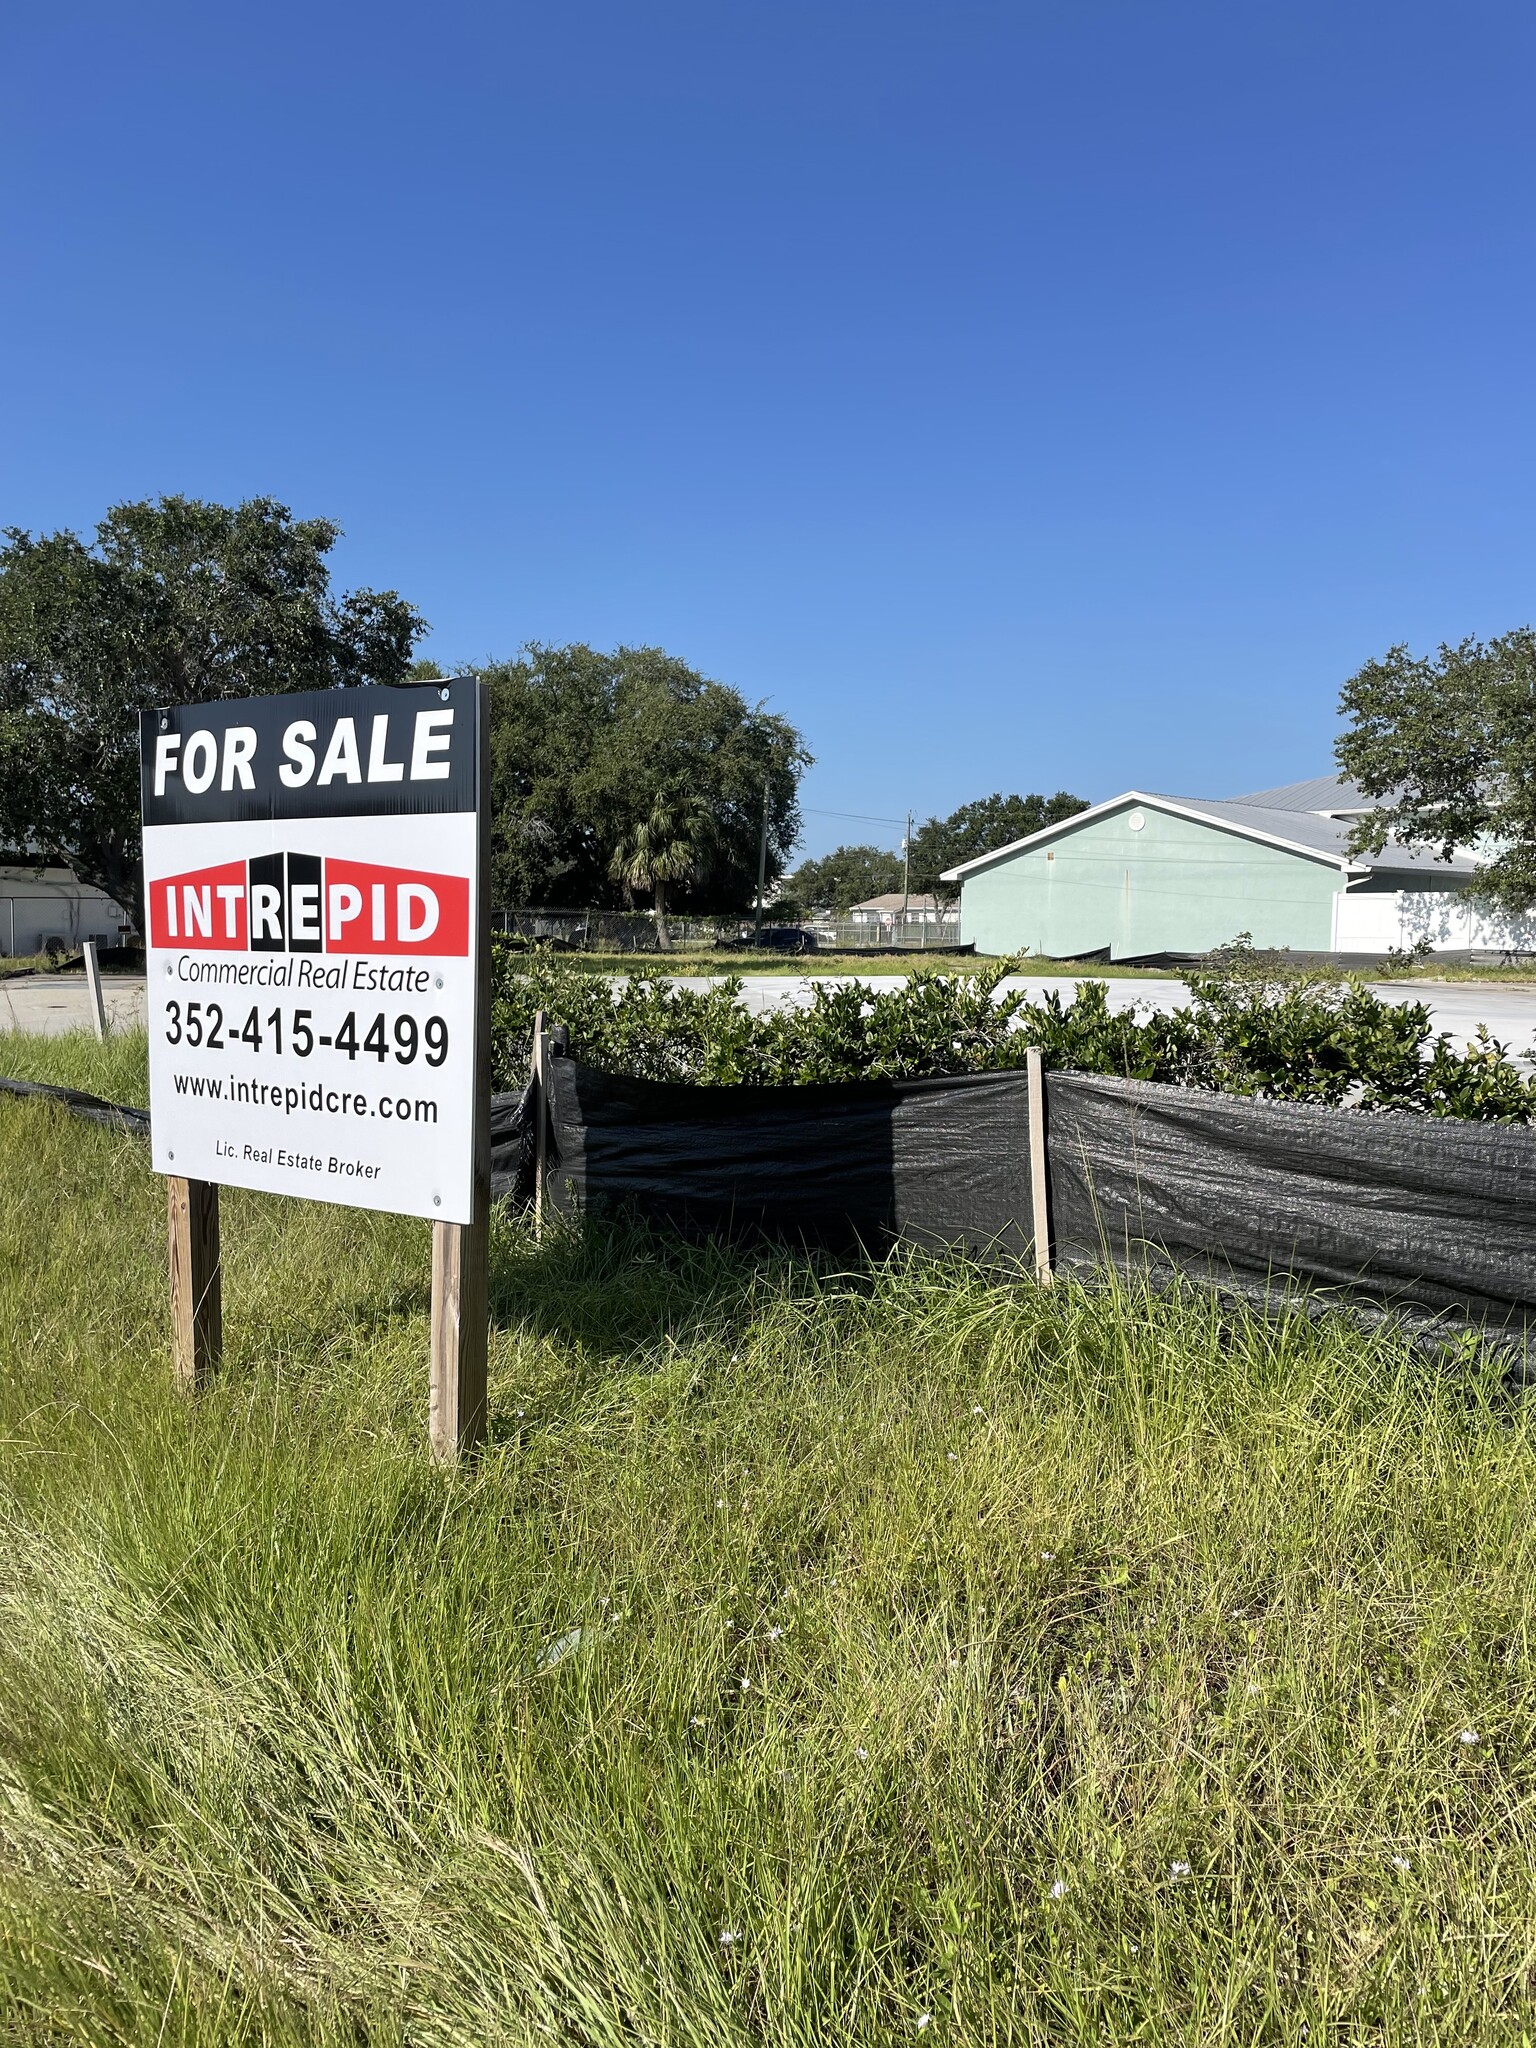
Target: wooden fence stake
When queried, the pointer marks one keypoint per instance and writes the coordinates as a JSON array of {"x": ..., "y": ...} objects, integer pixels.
[
  {"x": 1039, "y": 1208},
  {"x": 197, "y": 1309},
  {"x": 541, "y": 1120},
  {"x": 93, "y": 987},
  {"x": 461, "y": 1252}
]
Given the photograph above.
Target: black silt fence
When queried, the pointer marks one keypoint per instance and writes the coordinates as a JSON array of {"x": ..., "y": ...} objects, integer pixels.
[
  {"x": 942, "y": 1163},
  {"x": 1427, "y": 1213},
  {"x": 1425, "y": 1216},
  {"x": 1421, "y": 1215}
]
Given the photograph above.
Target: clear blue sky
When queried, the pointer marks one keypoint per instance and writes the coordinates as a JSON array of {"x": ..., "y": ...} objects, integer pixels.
[{"x": 1015, "y": 396}]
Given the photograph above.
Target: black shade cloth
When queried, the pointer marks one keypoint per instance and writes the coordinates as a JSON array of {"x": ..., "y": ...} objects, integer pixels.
[
  {"x": 940, "y": 1162},
  {"x": 1425, "y": 1212},
  {"x": 115, "y": 1115},
  {"x": 512, "y": 1147},
  {"x": 1418, "y": 1214}
]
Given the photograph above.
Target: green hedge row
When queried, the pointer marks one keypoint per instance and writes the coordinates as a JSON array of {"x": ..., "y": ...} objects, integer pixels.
[{"x": 1254, "y": 1026}]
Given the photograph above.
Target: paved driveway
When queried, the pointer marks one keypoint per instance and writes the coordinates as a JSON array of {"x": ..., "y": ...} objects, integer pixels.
[
  {"x": 1507, "y": 1008},
  {"x": 54, "y": 1003}
]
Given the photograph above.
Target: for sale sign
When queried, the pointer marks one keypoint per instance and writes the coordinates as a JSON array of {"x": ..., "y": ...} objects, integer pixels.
[{"x": 312, "y": 881}]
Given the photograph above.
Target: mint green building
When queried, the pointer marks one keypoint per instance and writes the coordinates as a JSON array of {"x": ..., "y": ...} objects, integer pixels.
[{"x": 1144, "y": 876}]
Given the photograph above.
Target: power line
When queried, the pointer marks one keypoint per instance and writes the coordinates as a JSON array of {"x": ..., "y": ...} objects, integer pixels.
[{"x": 861, "y": 817}]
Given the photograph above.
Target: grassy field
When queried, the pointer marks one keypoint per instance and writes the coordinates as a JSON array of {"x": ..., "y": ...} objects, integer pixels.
[
  {"x": 1455, "y": 970},
  {"x": 816, "y": 1656},
  {"x": 117, "y": 1070}
]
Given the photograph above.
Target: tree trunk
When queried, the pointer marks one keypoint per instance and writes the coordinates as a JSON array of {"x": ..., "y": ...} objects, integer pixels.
[
  {"x": 116, "y": 869},
  {"x": 663, "y": 940}
]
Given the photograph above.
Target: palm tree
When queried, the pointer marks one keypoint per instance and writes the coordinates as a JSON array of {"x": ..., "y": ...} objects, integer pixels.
[{"x": 662, "y": 848}]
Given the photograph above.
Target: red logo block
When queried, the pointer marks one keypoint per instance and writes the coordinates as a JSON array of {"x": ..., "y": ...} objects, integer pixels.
[
  {"x": 204, "y": 910},
  {"x": 394, "y": 910},
  {"x": 306, "y": 905}
]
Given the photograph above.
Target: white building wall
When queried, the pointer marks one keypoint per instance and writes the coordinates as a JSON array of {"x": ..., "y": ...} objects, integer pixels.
[
  {"x": 1371, "y": 921},
  {"x": 39, "y": 904}
]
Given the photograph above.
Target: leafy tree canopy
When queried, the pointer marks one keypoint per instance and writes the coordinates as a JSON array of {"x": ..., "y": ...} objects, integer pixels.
[
  {"x": 175, "y": 602},
  {"x": 980, "y": 828},
  {"x": 1446, "y": 745},
  {"x": 586, "y": 748},
  {"x": 847, "y": 875}
]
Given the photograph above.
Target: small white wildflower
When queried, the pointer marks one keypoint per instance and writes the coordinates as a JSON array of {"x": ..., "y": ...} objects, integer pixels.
[
  {"x": 862, "y": 1755},
  {"x": 774, "y": 1634},
  {"x": 924, "y": 2019},
  {"x": 1401, "y": 1863},
  {"x": 603, "y": 1600},
  {"x": 1047, "y": 1555},
  {"x": 746, "y": 1685},
  {"x": 729, "y": 1936},
  {"x": 1059, "y": 1888},
  {"x": 720, "y": 1502},
  {"x": 1468, "y": 1738},
  {"x": 519, "y": 1414},
  {"x": 697, "y": 1721},
  {"x": 953, "y": 1457},
  {"x": 1135, "y": 1948},
  {"x": 1178, "y": 1870},
  {"x": 735, "y": 1358},
  {"x": 1253, "y": 1692},
  {"x": 1394, "y": 1713},
  {"x": 954, "y": 1663},
  {"x": 977, "y": 1409}
]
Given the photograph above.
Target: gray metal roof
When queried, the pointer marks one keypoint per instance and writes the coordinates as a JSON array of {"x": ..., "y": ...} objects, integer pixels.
[
  {"x": 1317, "y": 793},
  {"x": 1305, "y": 825},
  {"x": 1296, "y": 815}
]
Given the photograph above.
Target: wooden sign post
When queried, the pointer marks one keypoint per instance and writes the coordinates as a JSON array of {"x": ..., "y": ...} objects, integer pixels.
[
  {"x": 197, "y": 1299},
  {"x": 316, "y": 874},
  {"x": 461, "y": 1252}
]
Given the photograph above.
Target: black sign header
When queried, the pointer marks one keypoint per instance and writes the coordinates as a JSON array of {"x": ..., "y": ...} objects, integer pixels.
[{"x": 317, "y": 754}]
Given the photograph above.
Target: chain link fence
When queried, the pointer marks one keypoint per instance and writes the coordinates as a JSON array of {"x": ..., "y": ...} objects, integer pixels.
[{"x": 634, "y": 931}]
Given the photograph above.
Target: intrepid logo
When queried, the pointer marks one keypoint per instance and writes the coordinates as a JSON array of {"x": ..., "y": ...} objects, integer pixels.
[{"x": 301, "y": 903}]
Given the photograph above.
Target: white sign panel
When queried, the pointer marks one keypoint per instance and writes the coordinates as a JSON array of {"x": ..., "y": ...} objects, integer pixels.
[{"x": 311, "y": 875}]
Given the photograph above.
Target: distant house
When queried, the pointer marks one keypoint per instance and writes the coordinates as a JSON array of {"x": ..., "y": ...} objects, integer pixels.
[
  {"x": 1143, "y": 877},
  {"x": 887, "y": 912},
  {"x": 39, "y": 903}
]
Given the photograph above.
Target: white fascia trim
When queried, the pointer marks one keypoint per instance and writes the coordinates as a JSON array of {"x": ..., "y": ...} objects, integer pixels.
[{"x": 1157, "y": 803}]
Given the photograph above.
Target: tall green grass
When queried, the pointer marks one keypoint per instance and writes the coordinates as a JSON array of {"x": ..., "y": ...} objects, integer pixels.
[
  {"x": 815, "y": 1656},
  {"x": 115, "y": 1068}
]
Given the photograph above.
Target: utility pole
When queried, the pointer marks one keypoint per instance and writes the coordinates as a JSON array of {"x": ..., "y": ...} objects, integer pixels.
[
  {"x": 762, "y": 866},
  {"x": 906, "y": 874}
]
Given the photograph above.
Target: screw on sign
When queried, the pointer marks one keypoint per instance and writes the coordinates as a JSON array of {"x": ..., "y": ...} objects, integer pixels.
[{"x": 315, "y": 876}]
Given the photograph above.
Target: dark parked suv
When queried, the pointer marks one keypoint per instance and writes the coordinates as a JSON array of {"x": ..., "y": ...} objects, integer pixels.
[{"x": 779, "y": 938}]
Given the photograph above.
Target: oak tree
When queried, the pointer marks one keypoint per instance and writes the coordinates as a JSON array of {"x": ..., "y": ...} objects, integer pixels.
[
  {"x": 1445, "y": 746},
  {"x": 175, "y": 601}
]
